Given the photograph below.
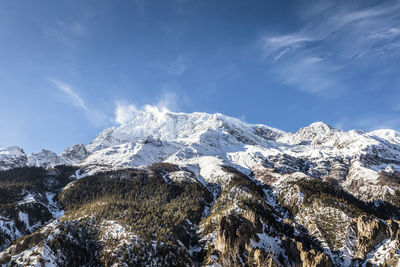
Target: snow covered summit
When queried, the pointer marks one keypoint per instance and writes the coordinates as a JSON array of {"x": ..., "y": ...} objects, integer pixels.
[{"x": 184, "y": 128}]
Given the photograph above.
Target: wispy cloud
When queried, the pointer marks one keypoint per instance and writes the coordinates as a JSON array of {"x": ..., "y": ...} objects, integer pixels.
[
  {"x": 95, "y": 116},
  {"x": 286, "y": 41},
  {"x": 72, "y": 97},
  {"x": 333, "y": 39},
  {"x": 310, "y": 73}
]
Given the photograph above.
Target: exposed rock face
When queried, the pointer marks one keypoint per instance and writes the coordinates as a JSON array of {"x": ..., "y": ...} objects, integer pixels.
[
  {"x": 338, "y": 171},
  {"x": 71, "y": 156},
  {"x": 14, "y": 157},
  {"x": 75, "y": 154},
  {"x": 306, "y": 258},
  {"x": 370, "y": 232},
  {"x": 394, "y": 227},
  {"x": 27, "y": 201},
  {"x": 234, "y": 234},
  {"x": 44, "y": 158}
]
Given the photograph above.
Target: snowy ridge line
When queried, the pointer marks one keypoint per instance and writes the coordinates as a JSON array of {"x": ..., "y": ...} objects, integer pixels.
[{"x": 204, "y": 142}]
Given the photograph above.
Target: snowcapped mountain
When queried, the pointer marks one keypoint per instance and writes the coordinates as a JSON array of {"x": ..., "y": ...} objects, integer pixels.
[
  {"x": 184, "y": 128},
  {"x": 201, "y": 139},
  {"x": 74, "y": 154},
  {"x": 317, "y": 150},
  {"x": 15, "y": 156},
  {"x": 265, "y": 194},
  {"x": 12, "y": 157}
]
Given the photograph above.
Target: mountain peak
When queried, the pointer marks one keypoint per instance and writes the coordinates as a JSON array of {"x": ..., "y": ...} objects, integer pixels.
[
  {"x": 12, "y": 150},
  {"x": 319, "y": 125},
  {"x": 182, "y": 127},
  {"x": 315, "y": 133},
  {"x": 12, "y": 157}
]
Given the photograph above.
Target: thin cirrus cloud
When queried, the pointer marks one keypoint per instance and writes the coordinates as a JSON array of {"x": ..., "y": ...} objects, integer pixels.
[
  {"x": 334, "y": 45},
  {"x": 71, "y": 97}
]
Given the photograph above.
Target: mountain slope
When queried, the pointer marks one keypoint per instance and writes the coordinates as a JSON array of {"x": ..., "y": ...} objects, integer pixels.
[{"x": 207, "y": 189}]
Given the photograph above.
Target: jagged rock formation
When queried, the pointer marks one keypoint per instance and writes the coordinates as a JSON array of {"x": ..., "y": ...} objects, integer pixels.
[
  {"x": 205, "y": 190},
  {"x": 12, "y": 157},
  {"x": 74, "y": 154}
]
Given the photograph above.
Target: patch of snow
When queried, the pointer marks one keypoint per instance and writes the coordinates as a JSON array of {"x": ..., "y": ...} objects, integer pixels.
[
  {"x": 79, "y": 174},
  {"x": 383, "y": 252},
  {"x": 24, "y": 217},
  {"x": 29, "y": 198},
  {"x": 53, "y": 207}
]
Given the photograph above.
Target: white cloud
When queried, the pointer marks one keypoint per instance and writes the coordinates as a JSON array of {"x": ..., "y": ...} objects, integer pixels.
[
  {"x": 340, "y": 34},
  {"x": 124, "y": 113},
  {"x": 290, "y": 40},
  {"x": 310, "y": 74},
  {"x": 71, "y": 95}
]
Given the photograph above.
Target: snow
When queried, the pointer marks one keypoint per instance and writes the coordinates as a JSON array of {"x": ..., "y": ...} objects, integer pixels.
[
  {"x": 7, "y": 227},
  {"x": 56, "y": 211},
  {"x": 181, "y": 177},
  {"x": 179, "y": 127},
  {"x": 112, "y": 229},
  {"x": 44, "y": 158},
  {"x": 12, "y": 157},
  {"x": 15, "y": 156},
  {"x": 79, "y": 174},
  {"x": 389, "y": 135},
  {"x": 74, "y": 154},
  {"x": 383, "y": 252},
  {"x": 204, "y": 143},
  {"x": 23, "y": 217},
  {"x": 271, "y": 245},
  {"x": 29, "y": 198},
  {"x": 12, "y": 151}
]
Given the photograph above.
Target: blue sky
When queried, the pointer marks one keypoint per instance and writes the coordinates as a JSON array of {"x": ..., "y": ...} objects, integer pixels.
[{"x": 68, "y": 69}]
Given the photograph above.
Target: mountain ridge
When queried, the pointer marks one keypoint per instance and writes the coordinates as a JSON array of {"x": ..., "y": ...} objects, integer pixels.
[{"x": 261, "y": 195}]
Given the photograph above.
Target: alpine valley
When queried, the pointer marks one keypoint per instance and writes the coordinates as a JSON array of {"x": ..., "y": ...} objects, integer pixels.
[{"x": 177, "y": 189}]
